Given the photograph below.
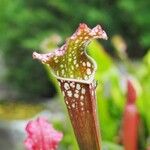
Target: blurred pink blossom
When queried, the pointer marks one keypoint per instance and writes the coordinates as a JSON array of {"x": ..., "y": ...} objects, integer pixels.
[{"x": 41, "y": 135}]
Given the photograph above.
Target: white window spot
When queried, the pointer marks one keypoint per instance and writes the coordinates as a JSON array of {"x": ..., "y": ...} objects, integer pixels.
[
  {"x": 77, "y": 91},
  {"x": 74, "y": 47},
  {"x": 92, "y": 93},
  {"x": 72, "y": 84},
  {"x": 88, "y": 71},
  {"x": 84, "y": 64},
  {"x": 81, "y": 103},
  {"x": 66, "y": 86},
  {"x": 77, "y": 41},
  {"x": 75, "y": 61},
  {"x": 75, "y": 57},
  {"x": 69, "y": 93},
  {"x": 72, "y": 52},
  {"x": 81, "y": 97},
  {"x": 90, "y": 86},
  {"x": 82, "y": 108},
  {"x": 57, "y": 72},
  {"x": 83, "y": 90},
  {"x": 86, "y": 37},
  {"x": 63, "y": 71},
  {"x": 88, "y": 64},
  {"x": 77, "y": 65},
  {"x": 71, "y": 76},
  {"x": 61, "y": 66},
  {"x": 66, "y": 102},
  {"x": 73, "y": 105},
  {"x": 69, "y": 107},
  {"x": 69, "y": 59},
  {"x": 76, "y": 95},
  {"x": 55, "y": 58},
  {"x": 72, "y": 67},
  {"x": 78, "y": 87},
  {"x": 80, "y": 37}
]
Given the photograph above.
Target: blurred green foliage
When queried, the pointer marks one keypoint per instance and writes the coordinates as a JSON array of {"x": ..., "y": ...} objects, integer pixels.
[{"x": 25, "y": 23}]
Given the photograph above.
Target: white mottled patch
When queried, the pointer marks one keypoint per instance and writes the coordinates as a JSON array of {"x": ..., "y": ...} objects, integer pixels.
[
  {"x": 55, "y": 58},
  {"x": 92, "y": 93},
  {"x": 69, "y": 107},
  {"x": 76, "y": 95},
  {"x": 69, "y": 59},
  {"x": 73, "y": 105},
  {"x": 72, "y": 84},
  {"x": 81, "y": 103},
  {"x": 83, "y": 90},
  {"x": 74, "y": 47},
  {"x": 88, "y": 64},
  {"x": 73, "y": 52},
  {"x": 62, "y": 71},
  {"x": 82, "y": 52},
  {"x": 86, "y": 37},
  {"x": 56, "y": 61},
  {"x": 61, "y": 66},
  {"x": 69, "y": 93},
  {"x": 66, "y": 86},
  {"x": 77, "y": 65},
  {"x": 75, "y": 61},
  {"x": 66, "y": 102},
  {"x": 78, "y": 87},
  {"x": 76, "y": 91},
  {"x": 88, "y": 71},
  {"x": 77, "y": 41},
  {"x": 71, "y": 76},
  {"x": 57, "y": 72},
  {"x": 82, "y": 108},
  {"x": 72, "y": 67},
  {"x": 81, "y": 97},
  {"x": 84, "y": 64}
]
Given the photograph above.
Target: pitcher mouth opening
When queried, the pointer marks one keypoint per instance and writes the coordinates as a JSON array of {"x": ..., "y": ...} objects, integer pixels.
[{"x": 71, "y": 61}]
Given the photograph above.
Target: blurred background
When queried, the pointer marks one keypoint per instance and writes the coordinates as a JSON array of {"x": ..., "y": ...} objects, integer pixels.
[{"x": 28, "y": 90}]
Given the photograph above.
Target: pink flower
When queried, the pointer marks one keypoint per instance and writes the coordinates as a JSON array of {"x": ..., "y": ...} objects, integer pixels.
[{"x": 42, "y": 135}]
